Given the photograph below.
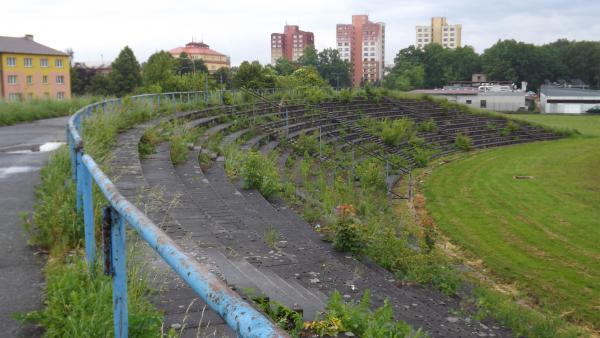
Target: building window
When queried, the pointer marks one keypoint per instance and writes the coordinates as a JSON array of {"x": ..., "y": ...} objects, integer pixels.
[
  {"x": 44, "y": 63},
  {"x": 30, "y": 96},
  {"x": 58, "y": 63},
  {"x": 29, "y": 79},
  {"x": 14, "y": 96},
  {"x": 468, "y": 102},
  {"x": 12, "y": 79},
  {"x": 60, "y": 95},
  {"x": 483, "y": 104},
  {"x": 12, "y": 62},
  {"x": 60, "y": 79},
  {"x": 28, "y": 62},
  {"x": 45, "y": 79}
]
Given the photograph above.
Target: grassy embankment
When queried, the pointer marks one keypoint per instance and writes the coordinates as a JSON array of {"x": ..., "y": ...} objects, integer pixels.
[
  {"x": 26, "y": 111},
  {"x": 539, "y": 234}
]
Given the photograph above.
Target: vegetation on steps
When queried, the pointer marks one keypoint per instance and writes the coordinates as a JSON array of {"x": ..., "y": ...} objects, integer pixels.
[{"x": 341, "y": 318}]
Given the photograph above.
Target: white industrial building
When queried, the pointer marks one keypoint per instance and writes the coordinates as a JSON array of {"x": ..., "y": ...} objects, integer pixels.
[
  {"x": 496, "y": 98},
  {"x": 560, "y": 100}
]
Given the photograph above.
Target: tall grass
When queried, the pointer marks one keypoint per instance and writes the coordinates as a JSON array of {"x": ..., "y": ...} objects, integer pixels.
[{"x": 25, "y": 111}]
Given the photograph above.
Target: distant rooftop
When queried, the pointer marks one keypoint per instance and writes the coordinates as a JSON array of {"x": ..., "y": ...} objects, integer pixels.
[
  {"x": 568, "y": 92},
  {"x": 26, "y": 45},
  {"x": 195, "y": 48}
]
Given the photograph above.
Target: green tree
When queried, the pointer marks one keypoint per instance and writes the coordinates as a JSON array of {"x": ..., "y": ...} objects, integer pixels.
[
  {"x": 159, "y": 70},
  {"x": 199, "y": 66},
  {"x": 184, "y": 64},
  {"x": 223, "y": 77},
  {"x": 333, "y": 69},
  {"x": 518, "y": 61},
  {"x": 303, "y": 77},
  {"x": 125, "y": 75},
  {"x": 99, "y": 85},
  {"x": 309, "y": 57},
  {"x": 284, "y": 67},
  {"x": 253, "y": 76}
]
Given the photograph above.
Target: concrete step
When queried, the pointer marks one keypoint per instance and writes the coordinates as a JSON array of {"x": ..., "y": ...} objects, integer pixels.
[{"x": 248, "y": 279}]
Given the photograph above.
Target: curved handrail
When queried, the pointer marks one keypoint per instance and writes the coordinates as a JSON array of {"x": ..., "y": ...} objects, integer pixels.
[{"x": 237, "y": 313}]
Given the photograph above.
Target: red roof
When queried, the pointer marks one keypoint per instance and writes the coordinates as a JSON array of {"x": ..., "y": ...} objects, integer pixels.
[{"x": 195, "y": 48}]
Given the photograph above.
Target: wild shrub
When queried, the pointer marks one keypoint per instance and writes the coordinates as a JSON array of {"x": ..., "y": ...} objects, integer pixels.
[
  {"x": 428, "y": 126},
  {"x": 512, "y": 126},
  {"x": 360, "y": 320},
  {"x": 371, "y": 175},
  {"x": 463, "y": 142},
  {"x": 395, "y": 131},
  {"x": 348, "y": 234},
  {"x": 345, "y": 95},
  {"x": 420, "y": 156},
  {"x": 178, "y": 149},
  {"x": 306, "y": 143},
  {"x": 259, "y": 172}
]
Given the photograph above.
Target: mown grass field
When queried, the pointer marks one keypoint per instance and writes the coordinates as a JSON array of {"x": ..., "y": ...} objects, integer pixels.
[{"x": 543, "y": 233}]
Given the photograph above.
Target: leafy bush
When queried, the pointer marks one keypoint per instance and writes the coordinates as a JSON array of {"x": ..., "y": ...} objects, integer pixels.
[
  {"x": 259, "y": 172},
  {"x": 306, "y": 144},
  {"x": 428, "y": 126},
  {"x": 395, "y": 131},
  {"x": 345, "y": 95},
  {"x": 463, "y": 142},
  {"x": 371, "y": 175},
  {"x": 360, "y": 320},
  {"x": 348, "y": 237},
  {"x": 512, "y": 126}
]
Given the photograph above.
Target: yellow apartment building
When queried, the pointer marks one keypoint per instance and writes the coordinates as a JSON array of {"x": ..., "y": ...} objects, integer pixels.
[
  {"x": 440, "y": 32},
  {"x": 29, "y": 70}
]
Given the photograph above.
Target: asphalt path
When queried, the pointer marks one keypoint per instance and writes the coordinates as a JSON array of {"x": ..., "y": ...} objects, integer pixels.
[{"x": 21, "y": 275}]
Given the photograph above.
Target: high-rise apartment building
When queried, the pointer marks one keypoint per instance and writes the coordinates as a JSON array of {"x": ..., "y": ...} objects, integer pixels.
[
  {"x": 440, "y": 32},
  {"x": 29, "y": 70},
  {"x": 363, "y": 44},
  {"x": 291, "y": 44}
]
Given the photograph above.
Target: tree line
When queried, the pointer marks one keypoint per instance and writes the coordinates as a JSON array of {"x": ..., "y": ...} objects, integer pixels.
[
  {"x": 507, "y": 60},
  {"x": 165, "y": 73}
]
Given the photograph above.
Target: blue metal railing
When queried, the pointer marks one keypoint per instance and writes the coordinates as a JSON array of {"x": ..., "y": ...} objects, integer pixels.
[{"x": 238, "y": 314}]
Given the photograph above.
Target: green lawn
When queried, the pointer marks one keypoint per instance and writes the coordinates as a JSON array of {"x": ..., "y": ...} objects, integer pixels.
[{"x": 541, "y": 233}]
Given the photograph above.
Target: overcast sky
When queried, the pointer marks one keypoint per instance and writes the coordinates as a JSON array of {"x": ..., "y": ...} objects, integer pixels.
[{"x": 241, "y": 29}]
